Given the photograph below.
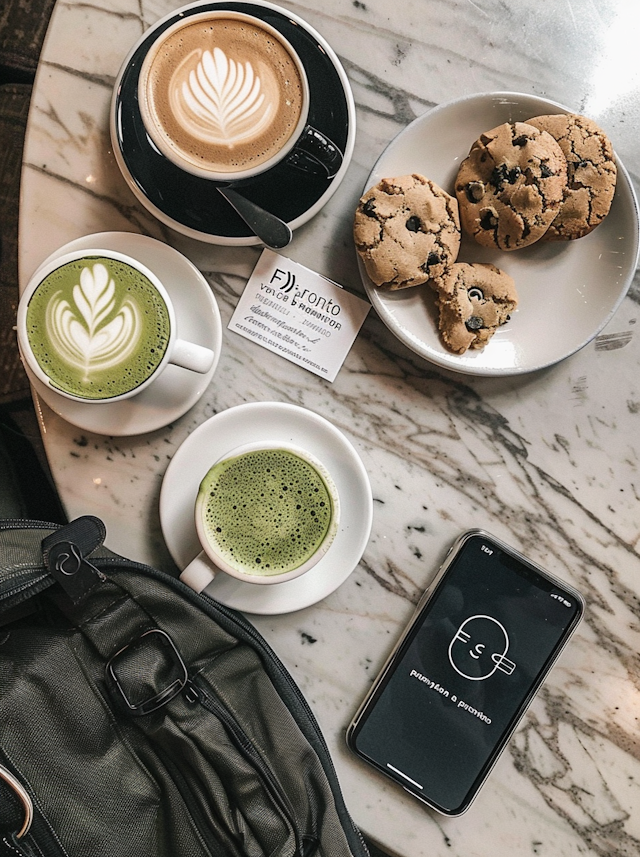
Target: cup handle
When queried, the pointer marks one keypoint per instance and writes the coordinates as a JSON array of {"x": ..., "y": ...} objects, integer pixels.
[
  {"x": 188, "y": 355},
  {"x": 315, "y": 153},
  {"x": 199, "y": 573}
]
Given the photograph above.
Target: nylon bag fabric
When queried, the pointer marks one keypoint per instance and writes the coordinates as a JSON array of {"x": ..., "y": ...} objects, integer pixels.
[{"x": 141, "y": 719}]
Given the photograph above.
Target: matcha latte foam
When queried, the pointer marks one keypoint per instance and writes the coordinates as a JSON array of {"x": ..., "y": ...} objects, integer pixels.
[
  {"x": 97, "y": 327},
  {"x": 265, "y": 512}
]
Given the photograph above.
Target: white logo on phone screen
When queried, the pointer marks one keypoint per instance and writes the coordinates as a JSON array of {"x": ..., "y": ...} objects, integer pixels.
[{"x": 479, "y": 647}]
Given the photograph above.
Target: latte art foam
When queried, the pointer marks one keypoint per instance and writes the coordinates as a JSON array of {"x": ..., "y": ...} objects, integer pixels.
[
  {"x": 85, "y": 328},
  {"x": 221, "y": 94},
  {"x": 221, "y": 101},
  {"x": 97, "y": 327}
]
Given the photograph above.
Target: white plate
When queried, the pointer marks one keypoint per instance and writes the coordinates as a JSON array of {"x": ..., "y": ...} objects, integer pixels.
[
  {"x": 176, "y": 390},
  {"x": 568, "y": 290},
  {"x": 279, "y": 422}
]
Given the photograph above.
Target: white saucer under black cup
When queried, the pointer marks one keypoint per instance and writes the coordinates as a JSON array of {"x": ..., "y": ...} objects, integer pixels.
[{"x": 191, "y": 205}]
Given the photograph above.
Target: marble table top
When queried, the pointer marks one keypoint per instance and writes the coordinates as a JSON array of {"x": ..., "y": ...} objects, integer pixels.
[{"x": 548, "y": 461}]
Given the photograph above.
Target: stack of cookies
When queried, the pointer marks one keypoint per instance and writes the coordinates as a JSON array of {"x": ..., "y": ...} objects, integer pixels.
[{"x": 551, "y": 178}]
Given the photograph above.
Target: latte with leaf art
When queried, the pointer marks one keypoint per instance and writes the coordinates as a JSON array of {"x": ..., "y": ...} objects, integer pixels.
[
  {"x": 222, "y": 92},
  {"x": 98, "y": 327}
]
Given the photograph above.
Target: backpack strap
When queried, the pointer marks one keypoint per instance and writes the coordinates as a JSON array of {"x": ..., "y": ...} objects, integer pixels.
[{"x": 119, "y": 627}]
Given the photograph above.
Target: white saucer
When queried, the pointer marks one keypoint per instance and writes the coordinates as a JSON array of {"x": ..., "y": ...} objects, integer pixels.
[
  {"x": 568, "y": 290},
  {"x": 269, "y": 421},
  {"x": 176, "y": 390}
]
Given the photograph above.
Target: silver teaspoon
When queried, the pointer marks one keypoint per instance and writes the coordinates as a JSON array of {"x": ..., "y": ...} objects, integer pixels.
[{"x": 275, "y": 233}]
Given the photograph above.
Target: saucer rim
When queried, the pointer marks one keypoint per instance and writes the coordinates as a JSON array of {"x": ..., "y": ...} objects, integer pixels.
[
  {"x": 340, "y": 560},
  {"x": 213, "y": 238},
  {"x": 113, "y": 412}
]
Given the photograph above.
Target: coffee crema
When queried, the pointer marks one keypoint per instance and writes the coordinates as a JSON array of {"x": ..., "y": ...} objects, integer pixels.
[
  {"x": 265, "y": 512},
  {"x": 222, "y": 93},
  {"x": 98, "y": 328}
]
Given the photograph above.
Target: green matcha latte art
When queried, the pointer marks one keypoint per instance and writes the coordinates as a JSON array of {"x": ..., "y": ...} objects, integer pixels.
[
  {"x": 265, "y": 512},
  {"x": 97, "y": 327}
]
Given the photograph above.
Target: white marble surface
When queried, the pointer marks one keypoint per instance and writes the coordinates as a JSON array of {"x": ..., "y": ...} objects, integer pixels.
[{"x": 550, "y": 462}]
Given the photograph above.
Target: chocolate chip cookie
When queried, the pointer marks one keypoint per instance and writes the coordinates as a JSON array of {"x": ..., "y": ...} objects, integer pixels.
[
  {"x": 591, "y": 174},
  {"x": 511, "y": 185},
  {"x": 473, "y": 301},
  {"x": 407, "y": 231}
]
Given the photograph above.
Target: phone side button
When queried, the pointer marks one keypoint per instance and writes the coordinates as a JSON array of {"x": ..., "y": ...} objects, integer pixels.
[
  {"x": 422, "y": 601},
  {"x": 425, "y": 595}
]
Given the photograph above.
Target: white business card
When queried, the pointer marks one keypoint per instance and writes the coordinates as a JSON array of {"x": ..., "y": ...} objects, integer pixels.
[{"x": 295, "y": 312}]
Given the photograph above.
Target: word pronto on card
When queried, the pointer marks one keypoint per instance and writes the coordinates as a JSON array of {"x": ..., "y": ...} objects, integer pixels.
[{"x": 295, "y": 312}]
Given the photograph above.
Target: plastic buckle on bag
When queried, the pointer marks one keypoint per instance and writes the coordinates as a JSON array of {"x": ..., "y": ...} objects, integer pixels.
[{"x": 138, "y": 667}]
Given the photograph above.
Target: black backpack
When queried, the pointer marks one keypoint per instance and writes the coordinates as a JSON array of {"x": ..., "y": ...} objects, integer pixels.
[{"x": 141, "y": 719}]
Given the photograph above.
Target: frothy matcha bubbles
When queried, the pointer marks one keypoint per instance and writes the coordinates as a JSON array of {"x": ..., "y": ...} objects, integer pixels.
[
  {"x": 98, "y": 327},
  {"x": 265, "y": 512}
]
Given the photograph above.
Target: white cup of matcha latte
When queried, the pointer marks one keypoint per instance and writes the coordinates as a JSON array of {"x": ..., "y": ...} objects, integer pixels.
[
  {"x": 265, "y": 513},
  {"x": 98, "y": 326},
  {"x": 224, "y": 96}
]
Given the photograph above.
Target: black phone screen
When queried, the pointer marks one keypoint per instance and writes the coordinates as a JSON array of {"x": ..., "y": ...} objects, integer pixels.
[{"x": 464, "y": 674}]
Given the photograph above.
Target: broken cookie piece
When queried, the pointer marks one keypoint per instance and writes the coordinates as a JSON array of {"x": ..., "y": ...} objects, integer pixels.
[
  {"x": 407, "y": 231},
  {"x": 511, "y": 185},
  {"x": 591, "y": 174},
  {"x": 473, "y": 301}
]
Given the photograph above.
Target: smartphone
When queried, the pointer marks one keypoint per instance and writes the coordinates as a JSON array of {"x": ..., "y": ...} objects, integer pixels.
[{"x": 482, "y": 639}]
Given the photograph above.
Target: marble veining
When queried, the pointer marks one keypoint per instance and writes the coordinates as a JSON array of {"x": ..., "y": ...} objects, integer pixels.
[{"x": 550, "y": 461}]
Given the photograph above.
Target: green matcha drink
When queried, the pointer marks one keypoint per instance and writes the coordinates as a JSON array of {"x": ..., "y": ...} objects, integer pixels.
[
  {"x": 97, "y": 327},
  {"x": 265, "y": 512}
]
